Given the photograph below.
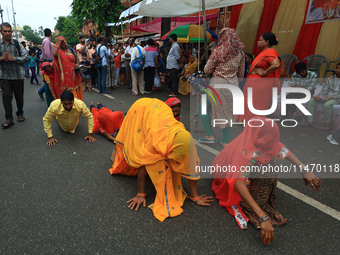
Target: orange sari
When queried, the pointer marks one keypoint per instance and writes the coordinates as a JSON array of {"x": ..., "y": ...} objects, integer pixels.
[
  {"x": 150, "y": 136},
  {"x": 261, "y": 85},
  {"x": 65, "y": 77}
]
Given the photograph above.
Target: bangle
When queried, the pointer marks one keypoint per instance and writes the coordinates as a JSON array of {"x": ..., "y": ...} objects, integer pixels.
[
  {"x": 141, "y": 194},
  {"x": 263, "y": 219},
  {"x": 195, "y": 199}
]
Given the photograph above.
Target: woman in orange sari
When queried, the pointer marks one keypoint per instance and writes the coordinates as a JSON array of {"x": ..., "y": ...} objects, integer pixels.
[
  {"x": 65, "y": 77},
  {"x": 263, "y": 76},
  {"x": 152, "y": 142}
]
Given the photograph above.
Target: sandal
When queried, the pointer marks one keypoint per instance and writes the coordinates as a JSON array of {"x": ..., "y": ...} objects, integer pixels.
[
  {"x": 205, "y": 140},
  {"x": 21, "y": 118},
  {"x": 7, "y": 124}
]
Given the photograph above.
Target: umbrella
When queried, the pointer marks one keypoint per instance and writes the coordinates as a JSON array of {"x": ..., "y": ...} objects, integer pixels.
[{"x": 190, "y": 34}]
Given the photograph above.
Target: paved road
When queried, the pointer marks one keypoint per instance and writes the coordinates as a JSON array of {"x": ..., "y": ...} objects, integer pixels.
[{"x": 62, "y": 199}]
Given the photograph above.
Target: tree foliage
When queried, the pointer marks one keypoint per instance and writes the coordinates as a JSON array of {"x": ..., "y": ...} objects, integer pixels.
[
  {"x": 67, "y": 28},
  {"x": 31, "y": 35},
  {"x": 99, "y": 11}
]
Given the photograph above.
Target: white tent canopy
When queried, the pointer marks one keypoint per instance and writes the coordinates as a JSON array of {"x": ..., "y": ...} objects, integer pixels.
[{"x": 176, "y": 8}]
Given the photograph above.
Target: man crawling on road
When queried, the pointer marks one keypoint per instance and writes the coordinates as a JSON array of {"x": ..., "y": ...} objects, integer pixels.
[{"x": 67, "y": 111}]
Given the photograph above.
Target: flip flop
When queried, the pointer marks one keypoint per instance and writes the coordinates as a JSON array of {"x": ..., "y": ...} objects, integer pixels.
[{"x": 7, "y": 124}]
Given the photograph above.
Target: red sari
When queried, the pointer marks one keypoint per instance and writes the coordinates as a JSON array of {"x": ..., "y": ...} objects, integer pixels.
[
  {"x": 261, "y": 85},
  {"x": 65, "y": 77}
]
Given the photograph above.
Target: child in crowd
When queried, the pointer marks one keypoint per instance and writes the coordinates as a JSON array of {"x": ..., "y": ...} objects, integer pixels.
[
  {"x": 32, "y": 65},
  {"x": 301, "y": 78},
  {"x": 122, "y": 76},
  {"x": 48, "y": 76},
  {"x": 86, "y": 66},
  {"x": 329, "y": 96}
]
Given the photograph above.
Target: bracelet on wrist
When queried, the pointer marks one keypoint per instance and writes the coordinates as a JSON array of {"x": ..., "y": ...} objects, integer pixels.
[
  {"x": 264, "y": 218},
  {"x": 195, "y": 199},
  {"x": 141, "y": 194}
]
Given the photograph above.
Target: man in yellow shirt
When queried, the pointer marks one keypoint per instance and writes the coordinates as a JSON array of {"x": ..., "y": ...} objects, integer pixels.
[{"x": 67, "y": 110}]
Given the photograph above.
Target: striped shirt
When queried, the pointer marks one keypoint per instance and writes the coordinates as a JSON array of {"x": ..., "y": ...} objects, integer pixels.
[
  {"x": 12, "y": 70},
  {"x": 309, "y": 82}
]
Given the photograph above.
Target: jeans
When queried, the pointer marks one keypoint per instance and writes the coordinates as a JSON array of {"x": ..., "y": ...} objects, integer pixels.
[
  {"x": 8, "y": 88},
  {"x": 38, "y": 64},
  {"x": 102, "y": 72},
  {"x": 34, "y": 76},
  {"x": 117, "y": 75}
]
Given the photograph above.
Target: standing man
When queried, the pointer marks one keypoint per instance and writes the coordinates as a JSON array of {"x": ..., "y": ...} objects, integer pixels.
[
  {"x": 172, "y": 64},
  {"x": 46, "y": 46},
  {"x": 102, "y": 70},
  {"x": 151, "y": 65},
  {"x": 137, "y": 76},
  {"x": 46, "y": 55},
  {"x": 67, "y": 111},
  {"x": 81, "y": 48},
  {"x": 128, "y": 51},
  {"x": 12, "y": 59},
  {"x": 37, "y": 52}
]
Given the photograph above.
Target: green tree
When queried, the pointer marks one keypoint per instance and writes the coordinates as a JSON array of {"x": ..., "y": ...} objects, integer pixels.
[
  {"x": 67, "y": 28},
  {"x": 99, "y": 11},
  {"x": 31, "y": 35}
]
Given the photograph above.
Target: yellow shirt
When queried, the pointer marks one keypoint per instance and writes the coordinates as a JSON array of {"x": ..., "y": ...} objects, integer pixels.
[{"x": 68, "y": 120}]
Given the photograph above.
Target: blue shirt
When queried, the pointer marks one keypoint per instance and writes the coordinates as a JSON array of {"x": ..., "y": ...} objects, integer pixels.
[
  {"x": 104, "y": 54},
  {"x": 150, "y": 54},
  {"x": 31, "y": 61}
]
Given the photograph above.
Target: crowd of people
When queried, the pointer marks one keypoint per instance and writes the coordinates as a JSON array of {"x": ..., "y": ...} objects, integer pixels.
[{"x": 150, "y": 140}]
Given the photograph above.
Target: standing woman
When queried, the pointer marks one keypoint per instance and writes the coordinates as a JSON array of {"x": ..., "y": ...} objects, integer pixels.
[
  {"x": 226, "y": 64},
  {"x": 265, "y": 65},
  {"x": 65, "y": 76}
]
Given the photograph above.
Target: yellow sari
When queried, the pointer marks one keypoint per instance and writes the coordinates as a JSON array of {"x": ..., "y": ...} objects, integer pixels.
[
  {"x": 184, "y": 86},
  {"x": 150, "y": 136}
]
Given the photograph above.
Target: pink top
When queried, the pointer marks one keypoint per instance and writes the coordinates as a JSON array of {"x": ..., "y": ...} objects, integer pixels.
[{"x": 47, "y": 48}]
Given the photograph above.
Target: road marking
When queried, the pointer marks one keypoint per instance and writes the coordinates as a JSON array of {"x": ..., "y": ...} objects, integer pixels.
[
  {"x": 106, "y": 95},
  {"x": 308, "y": 200}
]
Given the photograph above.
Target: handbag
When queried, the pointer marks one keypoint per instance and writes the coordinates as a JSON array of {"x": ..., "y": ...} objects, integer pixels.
[{"x": 157, "y": 81}]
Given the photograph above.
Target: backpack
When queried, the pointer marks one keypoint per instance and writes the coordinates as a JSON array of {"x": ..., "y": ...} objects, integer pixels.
[
  {"x": 97, "y": 60},
  {"x": 138, "y": 63}
]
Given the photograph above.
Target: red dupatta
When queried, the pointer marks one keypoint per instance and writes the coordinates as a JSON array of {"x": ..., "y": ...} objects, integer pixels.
[
  {"x": 240, "y": 153},
  {"x": 65, "y": 77}
]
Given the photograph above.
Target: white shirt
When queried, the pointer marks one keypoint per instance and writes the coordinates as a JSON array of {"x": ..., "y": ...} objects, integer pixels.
[
  {"x": 128, "y": 50},
  {"x": 135, "y": 52}
]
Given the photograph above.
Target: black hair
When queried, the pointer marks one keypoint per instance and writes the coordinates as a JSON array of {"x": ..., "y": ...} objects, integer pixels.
[
  {"x": 30, "y": 52},
  {"x": 100, "y": 39},
  {"x": 23, "y": 42},
  {"x": 271, "y": 38},
  {"x": 173, "y": 37},
  {"x": 179, "y": 105},
  {"x": 251, "y": 56},
  {"x": 337, "y": 64},
  {"x": 84, "y": 54},
  {"x": 150, "y": 42},
  {"x": 67, "y": 95},
  {"x": 6, "y": 24},
  {"x": 81, "y": 37},
  {"x": 47, "y": 32},
  {"x": 300, "y": 66}
]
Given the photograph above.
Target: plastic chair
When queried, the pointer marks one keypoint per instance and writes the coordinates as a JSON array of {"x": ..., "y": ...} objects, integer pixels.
[
  {"x": 314, "y": 62},
  {"x": 328, "y": 69},
  {"x": 288, "y": 59}
]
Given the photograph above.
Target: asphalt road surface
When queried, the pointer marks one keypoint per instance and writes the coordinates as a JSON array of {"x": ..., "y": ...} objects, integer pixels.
[{"x": 63, "y": 200}]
